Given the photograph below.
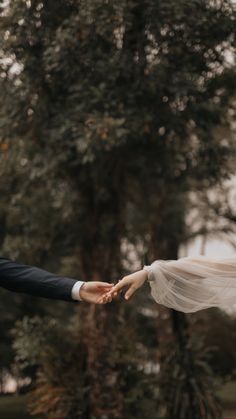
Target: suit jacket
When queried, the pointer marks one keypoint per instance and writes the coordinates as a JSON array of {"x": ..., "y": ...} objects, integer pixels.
[{"x": 34, "y": 281}]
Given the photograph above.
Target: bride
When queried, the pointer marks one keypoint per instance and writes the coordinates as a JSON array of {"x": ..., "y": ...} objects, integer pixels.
[{"x": 188, "y": 284}]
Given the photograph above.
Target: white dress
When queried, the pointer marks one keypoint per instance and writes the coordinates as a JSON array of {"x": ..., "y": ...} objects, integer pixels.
[{"x": 193, "y": 283}]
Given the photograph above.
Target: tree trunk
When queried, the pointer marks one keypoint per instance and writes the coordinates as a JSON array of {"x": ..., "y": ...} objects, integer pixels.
[
  {"x": 101, "y": 261},
  {"x": 105, "y": 398},
  {"x": 174, "y": 321},
  {"x": 187, "y": 389}
]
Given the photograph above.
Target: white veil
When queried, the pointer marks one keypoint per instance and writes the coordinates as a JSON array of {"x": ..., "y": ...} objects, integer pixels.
[{"x": 192, "y": 284}]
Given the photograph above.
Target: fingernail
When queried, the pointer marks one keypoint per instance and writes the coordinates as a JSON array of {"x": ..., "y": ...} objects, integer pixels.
[{"x": 126, "y": 297}]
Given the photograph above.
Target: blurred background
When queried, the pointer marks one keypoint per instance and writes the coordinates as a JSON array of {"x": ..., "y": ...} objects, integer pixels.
[{"x": 117, "y": 147}]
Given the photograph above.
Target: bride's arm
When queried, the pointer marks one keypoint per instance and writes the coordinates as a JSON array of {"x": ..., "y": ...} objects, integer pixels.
[
  {"x": 187, "y": 284},
  {"x": 193, "y": 284}
]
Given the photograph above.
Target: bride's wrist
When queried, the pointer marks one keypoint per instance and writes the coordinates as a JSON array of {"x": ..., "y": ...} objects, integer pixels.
[
  {"x": 147, "y": 270},
  {"x": 145, "y": 273}
]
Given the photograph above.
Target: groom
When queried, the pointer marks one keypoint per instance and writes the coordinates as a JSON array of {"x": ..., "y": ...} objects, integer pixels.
[{"x": 38, "y": 282}]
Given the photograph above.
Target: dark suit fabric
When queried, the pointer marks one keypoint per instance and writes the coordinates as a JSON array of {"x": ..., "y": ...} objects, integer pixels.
[{"x": 34, "y": 281}]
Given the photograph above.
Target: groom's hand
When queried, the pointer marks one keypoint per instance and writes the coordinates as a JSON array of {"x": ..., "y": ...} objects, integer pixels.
[{"x": 93, "y": 292}]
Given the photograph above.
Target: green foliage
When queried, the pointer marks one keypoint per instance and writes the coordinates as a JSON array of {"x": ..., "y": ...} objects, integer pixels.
[
  {"x": 108, "y": 118},
  {"x": 40, "y": 342},
  {"x": 62, "y": 387},
  {"x": 188, "y": 383},
  {"x": 115, "y": 101},
  {"x": 217, "y": 329},
  {"x": 13, "y": 406}
]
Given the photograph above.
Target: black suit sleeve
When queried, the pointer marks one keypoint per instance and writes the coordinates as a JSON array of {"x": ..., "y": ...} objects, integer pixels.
[{"x": 34, "y": 281}]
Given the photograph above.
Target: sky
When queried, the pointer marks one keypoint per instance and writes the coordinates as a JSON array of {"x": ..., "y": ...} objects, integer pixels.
[{"x": 214, "y": 248}]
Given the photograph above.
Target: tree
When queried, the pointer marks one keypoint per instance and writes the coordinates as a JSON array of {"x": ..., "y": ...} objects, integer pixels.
[{"x": 113, "y": 108}]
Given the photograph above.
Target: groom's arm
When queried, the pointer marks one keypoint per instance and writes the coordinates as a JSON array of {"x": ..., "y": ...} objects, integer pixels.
[{"x": 35, "y": 281}]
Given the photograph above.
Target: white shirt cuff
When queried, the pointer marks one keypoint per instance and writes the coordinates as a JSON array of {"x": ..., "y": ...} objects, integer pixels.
[{"x": 76, "y": 290}]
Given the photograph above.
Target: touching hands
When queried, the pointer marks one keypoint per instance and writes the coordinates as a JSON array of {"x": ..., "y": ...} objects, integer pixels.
[
  {"x": 103, "y": 292},
  {"x": 92, "y": 292},
  {"x": 130, "y": 282}
]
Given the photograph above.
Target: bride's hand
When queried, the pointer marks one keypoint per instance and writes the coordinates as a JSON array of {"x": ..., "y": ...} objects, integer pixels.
[{"x": 132, "y": 282}]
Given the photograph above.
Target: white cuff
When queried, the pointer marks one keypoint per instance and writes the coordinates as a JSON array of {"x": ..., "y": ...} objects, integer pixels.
[{"x": 76, "y": 290}]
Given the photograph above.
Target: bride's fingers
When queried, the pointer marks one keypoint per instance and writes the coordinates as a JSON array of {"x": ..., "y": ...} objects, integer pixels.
[
  {"x": 130, "y": 292},
  {"x": 101, "y": 300},
  {"x": 120, "y": 285},
  {"x": 104, "y": 299}
]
